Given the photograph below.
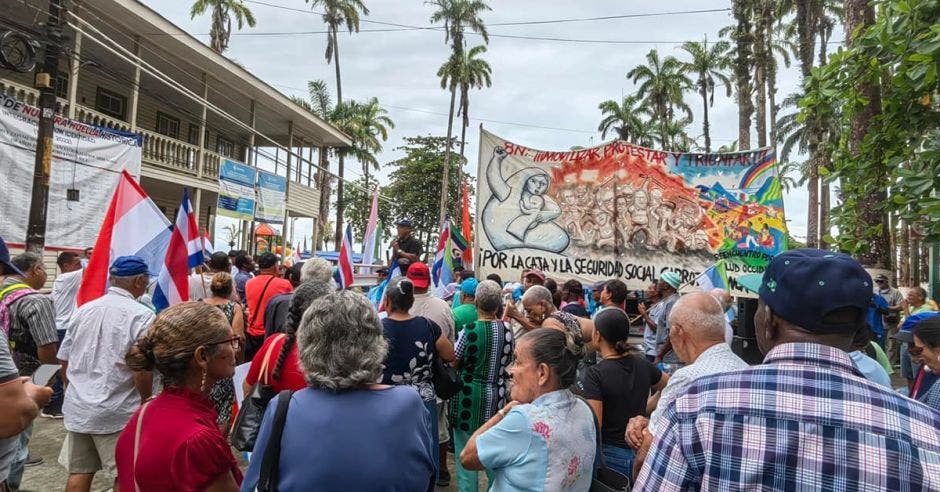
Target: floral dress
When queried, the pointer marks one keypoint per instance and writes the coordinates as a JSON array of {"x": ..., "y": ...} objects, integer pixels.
[
  {"x": 410, "y": 354},
  {"x": 222, "y": 394}
]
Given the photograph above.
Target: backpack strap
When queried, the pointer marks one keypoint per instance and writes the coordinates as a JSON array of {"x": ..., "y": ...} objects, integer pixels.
[{"x": 8, "y": 296}]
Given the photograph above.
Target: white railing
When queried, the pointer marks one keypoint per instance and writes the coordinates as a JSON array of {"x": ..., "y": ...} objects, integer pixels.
[
  {"x": 93, "y": 117},
  {"x": 211, "y": 163},
  {"x": 29, "y": 95},
  {"x": 170, "y": 152}
]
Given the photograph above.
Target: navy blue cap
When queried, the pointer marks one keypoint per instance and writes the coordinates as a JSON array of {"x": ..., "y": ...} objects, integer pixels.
[
  {"x": 129, "y": 266},
  {"x": 803, "y": 285},
  {"x": 5, "y": 259},
  {"x": 613, "y": 324},
  {"x": 403, "y": 223}
]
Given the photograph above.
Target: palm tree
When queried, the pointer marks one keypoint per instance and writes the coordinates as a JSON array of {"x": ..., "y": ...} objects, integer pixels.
[
  {"x": 368, "y": 128},
  {"x": 710, "y": 65},
  {"x": 743, "y": 38},
  {"x": 222, "y": 11},
  {"x": 625, "y": 119},
  {"x": 457, "y": 16},
  {"x": 321, "y": 105},
  {"x": 662, "y": 86},
  {"x": 474, "y": 73},
  {"x": 335, "y": 14}
]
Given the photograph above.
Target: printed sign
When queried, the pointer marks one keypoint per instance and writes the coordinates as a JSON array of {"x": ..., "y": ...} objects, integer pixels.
[
  {"x": 237, "y": 190},
  {"x": 272, "y": 198}
]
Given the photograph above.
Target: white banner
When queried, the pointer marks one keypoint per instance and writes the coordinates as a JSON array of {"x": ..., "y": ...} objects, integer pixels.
[
  {"x": 272, "y": 198},
  {"x": 85, "y": 158}
]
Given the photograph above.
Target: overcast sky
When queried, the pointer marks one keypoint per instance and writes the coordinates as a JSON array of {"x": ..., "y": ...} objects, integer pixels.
[{"x": 544, "y": 95}]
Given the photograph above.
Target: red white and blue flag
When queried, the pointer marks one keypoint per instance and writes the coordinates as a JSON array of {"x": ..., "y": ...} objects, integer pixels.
[
  {"x": 346, "y": 260},
  {"x": 207, "y": 249},
  {"x": 370, "y": 241},
  {"x": 133, "y": 225},
  {"x": 184, "y": 252}
]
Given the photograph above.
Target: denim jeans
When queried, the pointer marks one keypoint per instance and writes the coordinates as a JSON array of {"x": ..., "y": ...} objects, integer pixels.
[
  {"x": 619, "y": 459},
  {"x": 19, "y": 460},
  {"x": 908, "y": 368}
]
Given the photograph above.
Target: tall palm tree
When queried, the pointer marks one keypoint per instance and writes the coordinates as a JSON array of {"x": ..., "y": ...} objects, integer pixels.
[
  {"x": 662, "y": 85},
  {"x": 369, "y": 126},
  {"x": 222, "y": 12},
  {"x": 335, "y": 14},
  {"x": 457, "y": 16},
  {"x": 474, "y": 73},
  {"x": 743, "y": 37},
  {"x": 710, "y": 65},
  {"x": 320, "y": 104},
  {"x": 626, "y": 120}
]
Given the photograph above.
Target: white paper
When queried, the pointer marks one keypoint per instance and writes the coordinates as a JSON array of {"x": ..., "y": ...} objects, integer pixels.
[{"x": 241, "y": 372}]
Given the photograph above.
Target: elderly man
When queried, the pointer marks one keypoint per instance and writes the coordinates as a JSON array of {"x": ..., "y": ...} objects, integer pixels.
[
  {"x": 19, "y": 398},
  {"x": 103, "y": 393},
  {"x": 406, "y": 249},
  {"x": 727, "y": 304},
  {"x": 805, "y": 418},
  {"x": 698, "y": 335}
]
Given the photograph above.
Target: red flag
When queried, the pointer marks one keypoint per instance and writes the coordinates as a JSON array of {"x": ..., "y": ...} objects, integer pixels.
[
  {"x": 465, "y": 229},
  {"x": 346, "y": 260}
]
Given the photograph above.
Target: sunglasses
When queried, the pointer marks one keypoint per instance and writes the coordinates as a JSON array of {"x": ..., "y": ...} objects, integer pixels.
[
  {"x": 234, "y": 341},
  {"x": 914, "y": 350}
]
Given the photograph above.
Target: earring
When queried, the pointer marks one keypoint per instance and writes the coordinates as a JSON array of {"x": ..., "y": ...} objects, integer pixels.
[{"x": 202, "y": 386}]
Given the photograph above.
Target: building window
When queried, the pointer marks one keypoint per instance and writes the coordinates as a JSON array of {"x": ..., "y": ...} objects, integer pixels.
[
  {"x": 111, "y": 103},
  {"x": 62, "y": 86},
  {"x": 224, "y": 146},
  {"x": 168, "y": 125},
  {"x": 193, "y": 136}
]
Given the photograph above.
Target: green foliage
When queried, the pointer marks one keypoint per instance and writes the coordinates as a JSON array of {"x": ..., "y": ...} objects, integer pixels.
[
  {"x": 337, "y": 13},
  {"x": 415, "y": 184},
  {"x": 901, "y": 52},
  {"x": 222, "y": 12},
  {"x": 662, "y": 85}
]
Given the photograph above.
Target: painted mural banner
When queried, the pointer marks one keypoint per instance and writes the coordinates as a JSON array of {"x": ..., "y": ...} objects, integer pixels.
[
  {"x": 87, "y": 161},
  {"x": 622, "y": 211},
  {"x": 272, "y": 198},
  {"x": 237, "y": 190}
]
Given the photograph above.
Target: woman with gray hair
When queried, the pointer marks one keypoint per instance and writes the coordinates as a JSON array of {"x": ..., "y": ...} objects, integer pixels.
[
  {"x": 484, "y": 351},
  {"x": 341, "y": 347}
]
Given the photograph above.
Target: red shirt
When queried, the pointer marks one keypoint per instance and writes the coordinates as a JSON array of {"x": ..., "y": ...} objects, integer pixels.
[
  {"x": 181, "y": 448},
  {"x": 292, "y": 376},
  {"x": 253, "y": 290}
]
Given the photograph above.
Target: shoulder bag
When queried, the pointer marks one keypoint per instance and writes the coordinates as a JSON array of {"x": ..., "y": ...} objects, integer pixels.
[
  {"x": 445, "y": 378},
  {"x": 270, "y": 462},
  {"x": 251, "y": 411},
  {"x": 605, "y": 479}
]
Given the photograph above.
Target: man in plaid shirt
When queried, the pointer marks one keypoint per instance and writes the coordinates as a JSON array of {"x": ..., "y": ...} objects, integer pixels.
[{"x": 806, "y": 419}]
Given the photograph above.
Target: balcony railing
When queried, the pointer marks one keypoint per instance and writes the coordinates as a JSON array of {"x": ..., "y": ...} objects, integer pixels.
[
  {"x": 29, "y": 95},
  {"x": 92, "y": 117}
]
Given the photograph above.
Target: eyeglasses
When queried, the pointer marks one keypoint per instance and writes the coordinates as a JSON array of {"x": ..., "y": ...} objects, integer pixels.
[
  {"x": 915, "y": 350},
  {"x": 235, "y": 341}
]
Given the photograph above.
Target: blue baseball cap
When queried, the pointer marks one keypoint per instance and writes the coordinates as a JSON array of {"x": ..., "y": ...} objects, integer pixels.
[
  {"x": 804, "y": 285},
  {"x": 906, "y": 333},
  {"x": 129, "y": 266},
  {"x": 5, "y": 259},
  {"x": 469, "y": 286},
  {"x": 403, "y": 223}
]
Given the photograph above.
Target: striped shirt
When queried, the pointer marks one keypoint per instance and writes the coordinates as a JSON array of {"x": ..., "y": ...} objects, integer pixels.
[
  {"x": 804, "y": 420},
  {"x": 32, "y": 325}
]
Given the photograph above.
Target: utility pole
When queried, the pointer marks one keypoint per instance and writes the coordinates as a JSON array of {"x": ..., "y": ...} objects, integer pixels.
[{"x": 46, "y": 77}]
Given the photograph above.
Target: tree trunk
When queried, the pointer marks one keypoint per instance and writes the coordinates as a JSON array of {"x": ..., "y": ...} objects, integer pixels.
[
  {"x": 903, "y": 242},
  {"x": 858, "y": 15},
  {"x": 705, "y": 129},
  {"x": 761, "y": 53},
  {"x": 824, "y": 207},
  {"x": 806, "y": 23},
  {"x": 340, "y": 205},
  {"x": 914, "y": 259},
  {"x": 323, "y": 217},
  {"x": 772, "y": 86},
  {"x": 742, "y": 15},
  {"x": 761, "y": 113},
  {"x": 444, "y": 177}
]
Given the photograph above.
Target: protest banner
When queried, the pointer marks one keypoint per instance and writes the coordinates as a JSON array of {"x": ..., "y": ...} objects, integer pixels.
[
  {"x": 86, "y": 165},
  {"x": 622, "y": 211},
  {"x": 237, "y": 190}
]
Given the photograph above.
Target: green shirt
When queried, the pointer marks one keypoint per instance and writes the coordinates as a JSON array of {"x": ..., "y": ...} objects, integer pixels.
[
  {"x": 882, "y": 358},
  {"x": 464, "y": 314}
]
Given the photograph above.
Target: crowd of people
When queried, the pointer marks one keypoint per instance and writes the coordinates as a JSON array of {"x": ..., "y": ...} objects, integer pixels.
[{"x": 536, "y": 383}]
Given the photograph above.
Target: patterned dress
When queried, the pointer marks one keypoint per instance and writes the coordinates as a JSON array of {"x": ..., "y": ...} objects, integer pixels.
[
  {"x": 223, "y": 391},
  {"x": 484, "y": 350}
]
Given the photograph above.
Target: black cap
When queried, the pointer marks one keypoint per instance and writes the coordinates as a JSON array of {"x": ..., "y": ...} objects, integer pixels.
[
  {"x": 403, "y": 223},
  {"x": 613, "y": 324}
]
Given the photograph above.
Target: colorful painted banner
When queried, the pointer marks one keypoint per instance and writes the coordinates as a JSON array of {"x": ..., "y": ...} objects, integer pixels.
[
  {"x": 86, "y": 166},
  {"x": 237, "y": 190},
  {"x": 272, "y": 198},
  {"x": 622, "y": 211}
]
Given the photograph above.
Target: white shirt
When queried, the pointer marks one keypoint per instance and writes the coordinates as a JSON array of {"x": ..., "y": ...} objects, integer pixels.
[
  {"x": 64, "y": 291},
  {"x": 101, "y": 396},
  {"x": 436, "y": 310},
  {"x": 717, "y": 359},
  {"x": 200, "y": 286}
]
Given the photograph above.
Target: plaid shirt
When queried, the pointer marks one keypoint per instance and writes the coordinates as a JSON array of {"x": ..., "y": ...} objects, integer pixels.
[{"x": 804, "y": 420}]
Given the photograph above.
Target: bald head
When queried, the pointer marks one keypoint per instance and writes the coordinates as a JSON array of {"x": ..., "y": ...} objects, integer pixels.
[
  {"x": 724, "y": 297},
  {"x": 697, "y": 317}
]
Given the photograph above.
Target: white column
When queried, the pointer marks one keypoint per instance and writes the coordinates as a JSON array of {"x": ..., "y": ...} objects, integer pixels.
[
  {"x": 75, "y": 64},
  {"x": 135, "y": 90},
  {"x": 201, "y": 154}
]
